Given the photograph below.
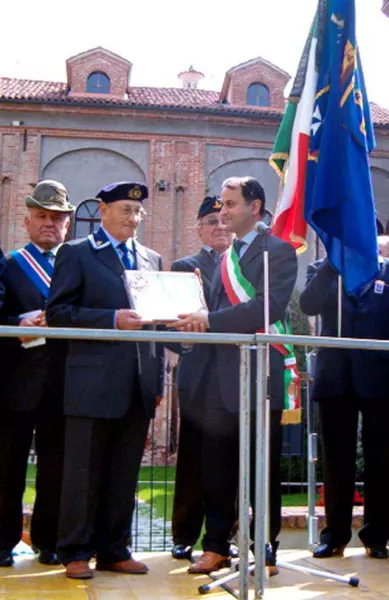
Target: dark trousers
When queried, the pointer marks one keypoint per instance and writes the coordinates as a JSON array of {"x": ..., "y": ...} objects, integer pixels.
[
  {"x": 220, "y": 470},
  {"x": 339, "y": 426},
  {"x": 188, "y": 510},
  {"x": 101, "y": 467},
  {"x": 16, "y": 434}
]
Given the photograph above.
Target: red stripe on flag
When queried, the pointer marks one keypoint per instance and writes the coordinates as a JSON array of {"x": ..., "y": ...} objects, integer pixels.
[
  {"x": 290, "y": 225},
  {"x": 233, "y": 298}
]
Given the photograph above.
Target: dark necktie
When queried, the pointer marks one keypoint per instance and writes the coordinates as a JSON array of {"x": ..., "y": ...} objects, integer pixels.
[
  {"x": 50, "y": 256},
  {"x": 214, "y": 255},
  {"x": 126, "y": 258},
  {"x": 238, "y": 245}
]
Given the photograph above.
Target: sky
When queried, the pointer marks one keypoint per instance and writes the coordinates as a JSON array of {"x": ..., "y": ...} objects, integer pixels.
[{"x": 164, "y": 37}]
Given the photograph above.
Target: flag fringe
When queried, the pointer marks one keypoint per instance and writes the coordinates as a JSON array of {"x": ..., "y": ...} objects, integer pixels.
[
  {"x": 291, "y": 416},
  {"x": 278, "y": 156}
]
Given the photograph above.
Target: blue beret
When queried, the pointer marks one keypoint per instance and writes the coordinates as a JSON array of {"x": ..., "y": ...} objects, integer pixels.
[
  {"x": 123, "y": 190},
  {"x": 209, "y": 205}
]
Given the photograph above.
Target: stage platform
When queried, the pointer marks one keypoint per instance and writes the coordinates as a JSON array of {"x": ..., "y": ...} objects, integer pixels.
[{"x": 168, "y": 579}]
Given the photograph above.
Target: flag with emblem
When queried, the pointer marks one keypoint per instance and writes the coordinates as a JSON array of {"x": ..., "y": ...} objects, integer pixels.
[
  {"x": 339, "y": 202},
  {"x": 290, "y": 150}
]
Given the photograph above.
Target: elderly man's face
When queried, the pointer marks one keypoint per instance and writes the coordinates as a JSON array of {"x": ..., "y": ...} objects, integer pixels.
[
  {"x": 212, "y": 232},
  {"x": 122, "y": 218},
  {"x": 46, "y": 228}
]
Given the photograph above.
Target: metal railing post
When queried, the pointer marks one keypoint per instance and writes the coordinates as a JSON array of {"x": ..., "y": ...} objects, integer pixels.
[
  {"x": 244, "y": 470},
  {"x": 260, "y": 472}
]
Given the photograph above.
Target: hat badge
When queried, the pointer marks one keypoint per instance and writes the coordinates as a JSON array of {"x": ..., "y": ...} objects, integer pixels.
[
  {"x": 135, "y": 193},
  {"x": 217, "y": 204}
]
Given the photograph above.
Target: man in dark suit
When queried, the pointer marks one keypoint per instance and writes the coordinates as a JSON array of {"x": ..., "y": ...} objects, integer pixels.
[
  {"x": 188, "y": 511},
  {"x": 33, "y": 394},
  {"x": 111, "y": 388},
  {"x": 211, "y": 373},
  {"x": 347, "y": 383}
]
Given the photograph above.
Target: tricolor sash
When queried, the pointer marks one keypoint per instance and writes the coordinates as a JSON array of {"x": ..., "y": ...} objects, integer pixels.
[
  {"x": 36, "y": 266},
  {"x": 239, "y": 289}
]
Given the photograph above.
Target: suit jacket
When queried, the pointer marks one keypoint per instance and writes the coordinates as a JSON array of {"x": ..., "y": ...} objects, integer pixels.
[
  {"x": 247, "y": 317},
  {"x": 341, "y": 372},
  {"x": 34, "y": 375},
  {"x": 203, "y": 261},
  {"x": 87, "y": 288}
]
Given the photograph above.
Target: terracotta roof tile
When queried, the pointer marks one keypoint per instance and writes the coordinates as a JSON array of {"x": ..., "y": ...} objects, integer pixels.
[
  {"x": 148, "y": 97},
  {"x": 379, "y": 114},
  {"x": 26, "y": 89}
]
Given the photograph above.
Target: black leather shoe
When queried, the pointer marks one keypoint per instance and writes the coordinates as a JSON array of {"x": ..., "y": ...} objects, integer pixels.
[
  {"x": 6, "y": 559},
  {"x": 326, "y": 550},
  {"x": 271, "y": 558},
  {"x": 46, "y": 557},
  {"x": 181, "y": 551},
  {"x": 373, "y": 549},
  {"x": 377, "y": 551}
]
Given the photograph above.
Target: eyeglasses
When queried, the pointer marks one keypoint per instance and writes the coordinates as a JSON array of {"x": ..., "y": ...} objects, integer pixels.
[
  {"x": 132, "y": 212},
  {"x": 212, "y": 222}
]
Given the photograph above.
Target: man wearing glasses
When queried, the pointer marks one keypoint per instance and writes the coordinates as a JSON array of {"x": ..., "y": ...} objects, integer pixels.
[
  {"x": 111, "y": 388},
  {"x": 188, "y": 512}
]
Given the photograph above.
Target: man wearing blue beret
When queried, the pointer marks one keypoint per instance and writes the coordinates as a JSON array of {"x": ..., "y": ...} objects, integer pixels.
[
  {"x": 188, "y": 510},
  {"x": 111, "y": 388}
]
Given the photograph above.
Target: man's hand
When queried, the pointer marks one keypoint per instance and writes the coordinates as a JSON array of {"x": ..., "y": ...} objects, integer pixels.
[
  {"x": 128, "y": 319},
  {"x": 197, "y": 322},
  {"x": 42, "y": 319},
  {"x": 28, "y": 322}
]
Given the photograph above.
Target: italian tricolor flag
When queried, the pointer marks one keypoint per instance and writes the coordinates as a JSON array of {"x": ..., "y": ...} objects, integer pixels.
[{"x": 290, "y": 151}]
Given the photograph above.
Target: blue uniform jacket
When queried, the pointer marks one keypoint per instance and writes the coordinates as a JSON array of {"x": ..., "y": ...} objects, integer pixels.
[{"x": 342, "y": 372}]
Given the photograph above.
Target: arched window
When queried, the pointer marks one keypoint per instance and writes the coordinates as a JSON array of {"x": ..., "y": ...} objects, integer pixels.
[
  {"x": 98, "y": 83},
  {"x": 87, "y": 218},
  {"x": 258, "y": 95}
]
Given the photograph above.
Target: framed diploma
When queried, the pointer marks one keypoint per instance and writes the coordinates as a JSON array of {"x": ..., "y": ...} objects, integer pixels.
[{"x": 162, "y": 296}]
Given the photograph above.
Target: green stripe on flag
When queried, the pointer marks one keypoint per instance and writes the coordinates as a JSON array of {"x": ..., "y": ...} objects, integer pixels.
[
  {"x": 281, "y": 148},
  {"x": 243, "y": 282}
]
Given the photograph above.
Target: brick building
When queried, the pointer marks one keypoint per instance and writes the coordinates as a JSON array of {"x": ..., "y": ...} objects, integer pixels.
[{"x": 97, "y": 128}]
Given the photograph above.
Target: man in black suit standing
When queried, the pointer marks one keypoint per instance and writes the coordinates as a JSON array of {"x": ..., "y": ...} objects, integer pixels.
[
  {"x": 211, "y": 373},
  {"x": 188, "y": 511},
  {"x": 34, "y": 380},
  {"x": 348, "y": 383},
  {"x": 111, "y": 388}
]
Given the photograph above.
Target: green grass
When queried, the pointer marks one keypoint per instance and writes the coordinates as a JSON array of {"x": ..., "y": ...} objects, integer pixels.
[{"x": 161, "y": 506}]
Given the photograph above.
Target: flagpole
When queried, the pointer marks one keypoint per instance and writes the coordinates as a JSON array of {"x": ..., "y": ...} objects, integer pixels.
[{"x": 340, "y": 288}]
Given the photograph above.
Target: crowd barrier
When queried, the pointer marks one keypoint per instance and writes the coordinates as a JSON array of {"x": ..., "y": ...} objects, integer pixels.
[{"x": 247, "y": 343}]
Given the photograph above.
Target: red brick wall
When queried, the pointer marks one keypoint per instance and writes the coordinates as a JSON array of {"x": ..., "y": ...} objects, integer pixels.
[
  {"x": 181, "y": 163},
  {"x": 80, "y": 68},
  {"x": 257, "y": 73},
  {"x": 20, "y": 171},
  {"x": 180, "y": 160}
]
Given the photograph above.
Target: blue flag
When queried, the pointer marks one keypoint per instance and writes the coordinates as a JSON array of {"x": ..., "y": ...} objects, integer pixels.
[{"x": 339, "y": 202}]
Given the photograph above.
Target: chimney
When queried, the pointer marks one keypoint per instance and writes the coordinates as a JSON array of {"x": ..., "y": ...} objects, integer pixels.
[{"x": 190, "y": 78}]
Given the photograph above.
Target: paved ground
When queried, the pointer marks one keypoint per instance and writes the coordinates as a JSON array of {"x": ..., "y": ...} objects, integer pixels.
[{"x": 168, "y": 579}]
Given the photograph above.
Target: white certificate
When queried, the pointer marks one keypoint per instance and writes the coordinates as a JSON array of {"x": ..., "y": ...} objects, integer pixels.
[
  {"x": 162, "y": 296},
  {"x": 34, "y": 341}
]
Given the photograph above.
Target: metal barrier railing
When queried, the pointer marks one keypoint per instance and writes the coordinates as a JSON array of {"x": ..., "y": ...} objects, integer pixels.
[{"x": 247, "y": 343}]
